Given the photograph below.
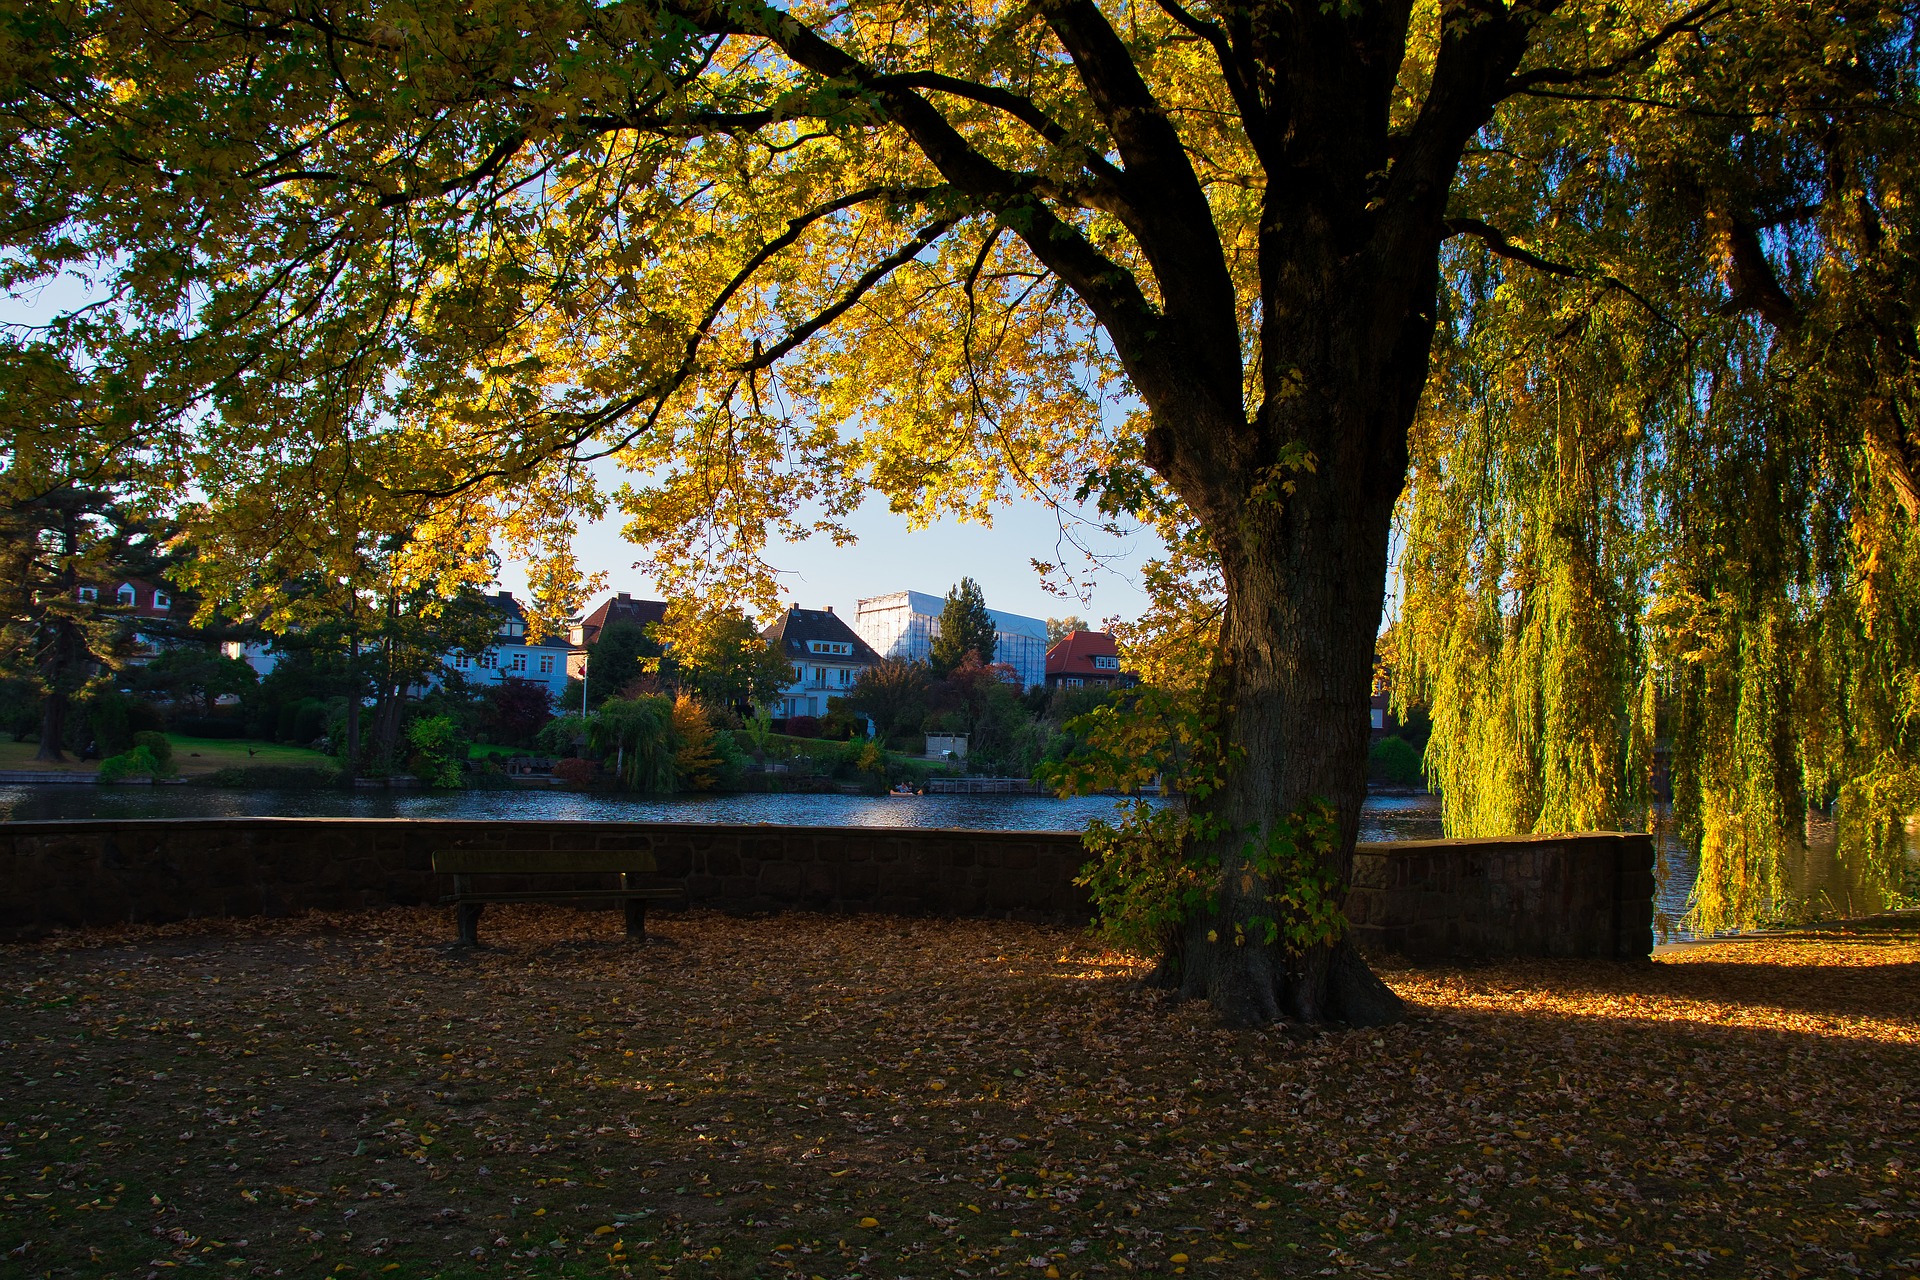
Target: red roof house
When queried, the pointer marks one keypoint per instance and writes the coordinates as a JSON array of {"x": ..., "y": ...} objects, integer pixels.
[{"x": 1084, "y": 659}]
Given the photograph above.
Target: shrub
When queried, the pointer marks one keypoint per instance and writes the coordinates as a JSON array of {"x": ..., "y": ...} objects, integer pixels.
[
  {"x": 108, "y": 716},
  {"x": 575, "y": 772},
  {"x": 842, "y": 726},
  {"x": 157, "y": 744},
  {"x": 300, "y": 722},
  {"x": 733, "y": 761},
  {"x": 562, "y": 735},
  {"x": 439, "y": 751},
  {"x": 802, "y": 727},
  {"x": 696, "y": 765},
  {"x": 1394, "y": 761},
  {"x": 137, "y": 763}
]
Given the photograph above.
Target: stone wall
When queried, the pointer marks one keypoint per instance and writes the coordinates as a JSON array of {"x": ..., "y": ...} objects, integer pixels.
[
  {"x": 72, "y": 873},
  {"x": 1577, "y": 895},
  {"x": 1573, "y": 895}
]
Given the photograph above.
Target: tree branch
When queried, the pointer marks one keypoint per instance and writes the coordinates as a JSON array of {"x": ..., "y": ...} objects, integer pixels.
[
  {"x": 1242, "y": 81},
  {"x": 1500, "y": 246},
  {"x": 1692, "y": 21}
]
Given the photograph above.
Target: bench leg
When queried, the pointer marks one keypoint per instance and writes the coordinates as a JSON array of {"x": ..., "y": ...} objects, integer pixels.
[
  {"x": 637, "y": 919},
  {"x": 468, "y": 915}
]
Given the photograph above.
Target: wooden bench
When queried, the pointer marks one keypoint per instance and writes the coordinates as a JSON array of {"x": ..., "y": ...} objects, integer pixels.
[{"x": 464, "y": 864}]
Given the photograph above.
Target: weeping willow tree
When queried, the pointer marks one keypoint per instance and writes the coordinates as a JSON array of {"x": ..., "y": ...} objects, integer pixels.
[{"x": 1662, "y": 497}]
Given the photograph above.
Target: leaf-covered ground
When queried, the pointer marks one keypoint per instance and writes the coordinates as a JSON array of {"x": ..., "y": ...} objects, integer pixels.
[{"x": 830, "y": 1096}]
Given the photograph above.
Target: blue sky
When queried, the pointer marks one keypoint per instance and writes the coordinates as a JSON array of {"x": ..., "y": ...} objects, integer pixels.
[{"x": 889, "y": 558}]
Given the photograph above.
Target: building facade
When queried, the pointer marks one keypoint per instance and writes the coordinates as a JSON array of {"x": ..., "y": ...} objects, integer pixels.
[
  {"x": 514, "y": 655},
  {"x": 619, "y": 608},
  {"x": 146, "y": 604},
  {"x": 825, "y": 655},
  {"x": 903, "y": 625},
  {"x": 1084, "y": 660}
]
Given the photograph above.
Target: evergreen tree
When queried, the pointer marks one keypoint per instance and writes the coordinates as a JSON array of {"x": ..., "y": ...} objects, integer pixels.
[
  {"x": 621, "y": 654},
  {"x": 965, "y": 628}
]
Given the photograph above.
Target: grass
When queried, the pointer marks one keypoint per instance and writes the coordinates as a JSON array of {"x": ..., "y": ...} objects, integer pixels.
[
  {"x": 191, "y": 756},
  {"x": 833, "y": 1096}
]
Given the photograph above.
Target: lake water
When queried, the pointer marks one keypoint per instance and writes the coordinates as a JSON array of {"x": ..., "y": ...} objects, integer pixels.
[
  {"x": 1385, "y": 817},
  {"x": 1819, "y": 875}
]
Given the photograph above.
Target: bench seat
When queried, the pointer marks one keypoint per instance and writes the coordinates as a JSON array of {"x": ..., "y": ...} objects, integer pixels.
[{"x": 468, "y": 900}]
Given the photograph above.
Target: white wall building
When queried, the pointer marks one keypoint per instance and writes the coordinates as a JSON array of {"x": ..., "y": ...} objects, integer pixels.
[
  {"x": 904, "y": 624},
  {"x": 826, "y": 658},
  {"x": 513, "y": 655}
]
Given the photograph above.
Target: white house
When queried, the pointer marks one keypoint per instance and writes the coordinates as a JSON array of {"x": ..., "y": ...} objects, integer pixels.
[
  {"x": 513, "y": 655},
  {"x": 825, "y": 655},
  {"x": 904, "y": 624}
]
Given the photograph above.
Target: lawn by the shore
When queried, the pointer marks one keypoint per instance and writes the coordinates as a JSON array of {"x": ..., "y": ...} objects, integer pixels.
[
  {"x": 829, "y": 1096},
  {"x": 191, "y": 756}
]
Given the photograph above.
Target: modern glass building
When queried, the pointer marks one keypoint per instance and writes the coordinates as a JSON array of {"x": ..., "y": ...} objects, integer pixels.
[{"x": 903, "y": 625}]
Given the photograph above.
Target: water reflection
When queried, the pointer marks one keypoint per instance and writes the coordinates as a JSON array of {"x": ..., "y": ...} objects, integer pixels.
[
  {"x": 990, "y": 813},
  {"x": 1386, "y": 817}
]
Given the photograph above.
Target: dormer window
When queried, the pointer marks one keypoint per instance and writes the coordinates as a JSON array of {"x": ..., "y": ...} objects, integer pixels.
[
  {"x": 841, "y": 647},
  {"x": 126, "y": 596},
  {"x": 88, "y": 595},
  {"x": 161, "y": 600},
  {"x": 1106, "y": 662}
]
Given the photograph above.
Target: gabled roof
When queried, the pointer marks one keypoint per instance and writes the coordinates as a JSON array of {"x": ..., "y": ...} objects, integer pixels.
[
  {"x": 794, "y": 628},
  {"x": 1073, "y": 655},
  {"x": 621, "y": 608},
  {"x": 504, "y": 603}
]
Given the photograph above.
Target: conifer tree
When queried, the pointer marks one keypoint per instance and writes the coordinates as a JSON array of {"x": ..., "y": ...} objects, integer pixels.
[{"x": 965, "y": 628}]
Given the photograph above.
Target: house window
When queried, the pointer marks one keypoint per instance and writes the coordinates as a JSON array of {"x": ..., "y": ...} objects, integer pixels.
[
  {"x": 487, "y": 661},
  {"x": 829, "y": 646},
  {"x": 1379, "y": 718},
  {"x": 546, "y": 664},
  {"x": 461, "y": 662},
  {"x": 125, "y": 595},
  {"x": 161, "y": 600},
  {"x": 88, "y": 595},
  {"x": 1106, "y": 662},
  {"x": 518, "y": 663}
]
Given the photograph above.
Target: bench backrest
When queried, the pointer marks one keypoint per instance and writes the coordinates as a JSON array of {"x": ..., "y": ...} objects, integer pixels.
[{"x": 480, "y": 862}]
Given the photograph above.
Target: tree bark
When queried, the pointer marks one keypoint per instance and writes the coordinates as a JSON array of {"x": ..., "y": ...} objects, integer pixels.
[
  {"x": 1293, "y": 679},
  {"x": 53, "y": 727},
  {"x": 1301, "y": 518}
]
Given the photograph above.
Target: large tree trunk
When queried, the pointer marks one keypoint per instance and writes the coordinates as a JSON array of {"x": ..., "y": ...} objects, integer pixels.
[
  {"x": 1294, "y": 677},
  {"x": 1302, "y": 531},
  {"x": 53, "y": 727}
]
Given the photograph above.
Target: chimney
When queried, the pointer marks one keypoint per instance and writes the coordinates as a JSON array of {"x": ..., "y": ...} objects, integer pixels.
[
  {"x": 829, "y": 608},
  {"x": 625, "y": 596}
]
